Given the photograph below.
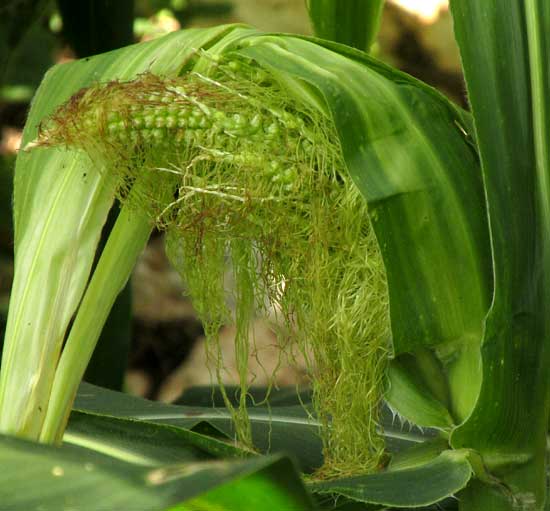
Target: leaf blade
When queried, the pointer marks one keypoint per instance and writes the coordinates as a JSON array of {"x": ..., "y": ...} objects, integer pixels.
[
  {"x": 88, "y": 480},
  {"x": 354, "y": 23},
  {"x": 509, "y": 60},
  {"x": 413, "y": 487}
]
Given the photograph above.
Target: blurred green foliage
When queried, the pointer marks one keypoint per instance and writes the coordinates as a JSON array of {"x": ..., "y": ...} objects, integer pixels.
[
  {"x": 154, "y": 17},
  {"x": 26, "y": 47}
]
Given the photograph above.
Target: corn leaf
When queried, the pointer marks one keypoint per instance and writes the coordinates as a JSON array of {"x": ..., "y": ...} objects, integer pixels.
[
  {"x": 120, "y": 425},
  {"x": 506, "y": 67},
  {"x": 130, "y": 439},
  {"x": 413, "y": 398},
  {"x": 286, "y": 429},
  {"x": 353, "y": 22},
  {"x": 111, "y": 478},
  {"x": 412, "y": 487}
]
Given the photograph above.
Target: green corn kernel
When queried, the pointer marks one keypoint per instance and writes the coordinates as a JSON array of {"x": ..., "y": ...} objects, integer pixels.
[
  {"x": 149, "y": 121},
  {"x": 218, "y": 116},
  {"x": 158, "y": 134},
  {"x": 112, "y": 129},
  {"x": 170, "y": 121},
  {"x": 272, "y": 130},
  {"x": 256, "y": 121}
]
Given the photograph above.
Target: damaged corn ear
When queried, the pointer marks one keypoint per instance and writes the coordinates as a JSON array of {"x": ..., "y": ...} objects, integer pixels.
[{"x": 256, "y": 184}]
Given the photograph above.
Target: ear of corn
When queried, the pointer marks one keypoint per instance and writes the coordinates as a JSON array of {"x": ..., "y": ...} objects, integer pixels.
[
  {"x": 261, "y": 178},
  {"x": 271, "y": 151}
]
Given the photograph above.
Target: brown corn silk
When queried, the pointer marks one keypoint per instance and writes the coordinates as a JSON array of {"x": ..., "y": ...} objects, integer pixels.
[{"x": 241, "y": 176}]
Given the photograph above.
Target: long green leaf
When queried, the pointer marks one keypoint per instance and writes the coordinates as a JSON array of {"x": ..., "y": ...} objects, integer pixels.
[
  {"x": 506, "y": 67},
  {"x": 352, "y": 22},
  {"x": 50, "y": 478},
  {"x": 289, "y": 429},
  {"x": 280, "y": 429},
  {"x": 130, "y": 440},
  {"x": 413, "y": 487}
]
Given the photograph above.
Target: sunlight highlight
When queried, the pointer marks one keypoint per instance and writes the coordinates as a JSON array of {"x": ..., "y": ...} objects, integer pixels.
[{"x": 426, "y": 10}]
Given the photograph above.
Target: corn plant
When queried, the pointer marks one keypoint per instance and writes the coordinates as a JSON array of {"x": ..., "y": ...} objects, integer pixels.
[{"x": 402, "y": 241}]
